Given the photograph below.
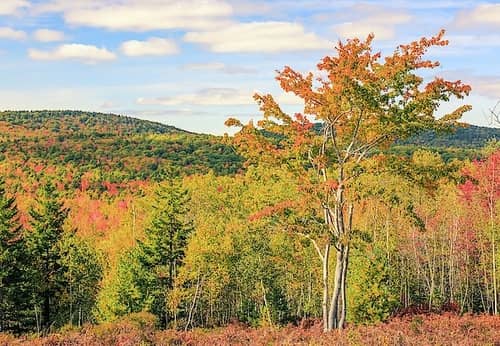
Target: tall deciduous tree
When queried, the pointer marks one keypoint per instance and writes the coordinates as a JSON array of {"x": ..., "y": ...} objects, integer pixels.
[
  {"x": 482, "y": 192},
  {"x": 82, "y": 269},
  {"x": 359, "y": 103}
]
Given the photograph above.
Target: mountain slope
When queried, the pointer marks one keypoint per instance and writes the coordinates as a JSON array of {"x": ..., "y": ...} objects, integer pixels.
[
  {"x": 128, "y": 147},
  {"x": 88, "y": 123},
  {"x": 123, "y": 148},
  {"x": 470, "y": 136}
]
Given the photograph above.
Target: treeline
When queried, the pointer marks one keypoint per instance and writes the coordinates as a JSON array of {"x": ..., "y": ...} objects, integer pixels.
[{"x": 462, "y": 136}]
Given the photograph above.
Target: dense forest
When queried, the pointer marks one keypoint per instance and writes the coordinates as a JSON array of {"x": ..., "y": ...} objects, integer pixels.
[{"x": 363, "y": 209}]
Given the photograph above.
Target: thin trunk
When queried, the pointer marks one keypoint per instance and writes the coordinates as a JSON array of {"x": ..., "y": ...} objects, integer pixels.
[
  {"x": 266, "y": 305},
  {"x": 337, "y": 286},
  {"x": 493, "y": 241},
  {"x": 493, "y": 265},
  {"x": 193, "y": 304},
  {"x": 46, "y": 311},
  {"x": 343, "y": 293},
  {"x": 325, "y": 259}
]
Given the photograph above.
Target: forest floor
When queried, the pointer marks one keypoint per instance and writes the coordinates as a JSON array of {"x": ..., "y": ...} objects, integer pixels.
[{"x": 445, "y": 329}]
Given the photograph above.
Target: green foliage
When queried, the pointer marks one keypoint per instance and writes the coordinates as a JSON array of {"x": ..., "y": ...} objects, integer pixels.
[
  {"x": 64, "y": 271},
  {"x": 373, "y": 293},
  {"x": 468, "y": 136},
  {"x": 146, "y": 273},
  {"x": 82, "y": 266},
  {"x": 13, "y": 264},
  {"x": 123, "y": 148},
  {"x": 44, "y": 242}
]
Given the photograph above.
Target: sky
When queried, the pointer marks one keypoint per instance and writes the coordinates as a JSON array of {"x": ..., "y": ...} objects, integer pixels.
[{"x": 194, "y": 63}]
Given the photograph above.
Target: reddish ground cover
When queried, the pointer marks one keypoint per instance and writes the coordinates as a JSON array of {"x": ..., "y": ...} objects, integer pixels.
[{"x": 445, "y": 329}]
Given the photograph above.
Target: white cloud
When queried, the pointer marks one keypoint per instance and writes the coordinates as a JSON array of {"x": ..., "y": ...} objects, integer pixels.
[
  {"x": 258, "y": 37},
  {"x": 470, "y": 41},
  {"x": 141, "y": 15},
  {"x": 488, "y": 86},
  {"x": 216, "y": 97},
  {"x": 366, "y": 19},
  {"x": 8, "y": 7},
  {"x": 208, "y": 97},
  {"x": 11, "y": 34},
  {"x": 80, "y": 52},
  {"x": 47, "y": 35},
  {"x": 108, "y": 105},
  {"x": 484, "y": 15},
  {"x": 153, "y": 46},
  {"x": 220, "y": 67}
]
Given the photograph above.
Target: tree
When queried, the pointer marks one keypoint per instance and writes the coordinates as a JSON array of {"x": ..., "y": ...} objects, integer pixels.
[
  {"x": 82, "y": 269},
  {"x": 359, "y": 104},
  {"x": 482, "y": 193},
  {"x": 147, "y": 272},
  {"x": 44, "y": 242},
  {"x": 495, "y": 114},
  {"x": 13, "y": 299}
]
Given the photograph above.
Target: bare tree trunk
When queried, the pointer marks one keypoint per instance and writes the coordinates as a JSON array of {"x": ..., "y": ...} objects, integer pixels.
[
  {"x": 326, "y": 279},
  {"x": 337, "y": 286},
  {"x": 193, "y": 304},
  {"x": 343, "y": 292},
  {"x": 493, "y": 260}
]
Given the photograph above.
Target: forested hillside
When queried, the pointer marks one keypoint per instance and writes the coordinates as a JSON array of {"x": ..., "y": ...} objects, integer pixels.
[
  {"x": 462, "y": 136},
  {"x": 140, "y": 149},
  {"x": 121, "y": 147}
]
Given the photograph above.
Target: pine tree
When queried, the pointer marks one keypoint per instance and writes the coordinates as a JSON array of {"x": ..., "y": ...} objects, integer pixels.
[
  {"x": 147, "y": 273},
  {"x": 12, "y": 264},
  {"x": 44, "y": 241}
]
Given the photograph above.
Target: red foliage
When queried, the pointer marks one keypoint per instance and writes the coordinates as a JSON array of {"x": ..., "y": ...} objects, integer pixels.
[
  {"x": 445, "y": 329},
  {"x": 84, "y": 185},
  {"x": 38, "y": 168},
  {"x": 271, "y": 210},
  {"x": 123, "y": 205},
  {"x": 483, "y": 181},
  {"x": 112, "y": 188}
]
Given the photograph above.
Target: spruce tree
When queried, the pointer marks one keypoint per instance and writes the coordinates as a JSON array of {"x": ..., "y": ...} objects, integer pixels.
[
  {"x": 146, "y": 274},
  {"x": 47, "y": 221},
  {"x": 13, "y": 298}
]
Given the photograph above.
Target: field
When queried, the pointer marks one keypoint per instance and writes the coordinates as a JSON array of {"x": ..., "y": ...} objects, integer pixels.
[{"x": 444, "y": 329}]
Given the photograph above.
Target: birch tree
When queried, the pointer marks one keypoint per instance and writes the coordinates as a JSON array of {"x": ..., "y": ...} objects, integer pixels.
[{"x": 358, "y": 102}]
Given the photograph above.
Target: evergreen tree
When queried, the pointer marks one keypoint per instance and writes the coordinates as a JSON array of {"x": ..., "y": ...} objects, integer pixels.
[
  {"x": 13, "y": 300},
  {"x": 44, "y": 240},
  {"x": 147, "y": 273}
]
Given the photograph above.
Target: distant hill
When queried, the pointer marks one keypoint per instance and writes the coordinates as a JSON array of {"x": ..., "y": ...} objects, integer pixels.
[
  {"x": 124, "y": 148},
  {"x": 88, "y": 123},
  {"x": 469, "y": 136},
  {"x": 129, "y": 148}
]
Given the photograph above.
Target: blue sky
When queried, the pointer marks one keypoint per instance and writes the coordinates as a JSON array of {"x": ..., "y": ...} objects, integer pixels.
[{"x": 193, "y": 63}]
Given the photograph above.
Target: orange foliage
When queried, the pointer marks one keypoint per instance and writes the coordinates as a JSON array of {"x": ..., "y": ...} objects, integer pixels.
[{"x": 274, "y": 209}]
